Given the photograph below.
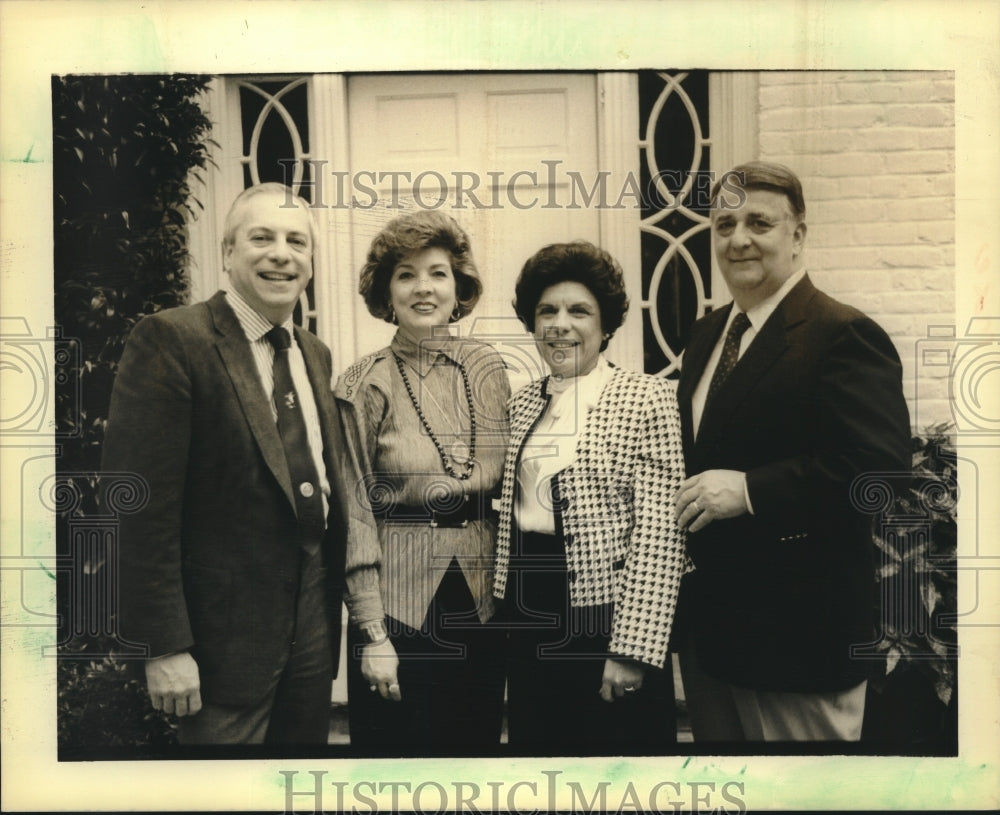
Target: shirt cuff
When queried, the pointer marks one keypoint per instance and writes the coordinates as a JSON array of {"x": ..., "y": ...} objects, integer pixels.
[
  {"x": 365, "y": 607},
  {"x": 746, "y": 494}
]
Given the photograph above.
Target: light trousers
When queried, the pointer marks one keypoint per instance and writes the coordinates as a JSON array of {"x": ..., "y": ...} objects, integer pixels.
[{"x": 721, "y": 712}]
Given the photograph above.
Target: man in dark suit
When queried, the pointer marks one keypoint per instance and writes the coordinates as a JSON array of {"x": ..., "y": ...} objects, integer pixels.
[
  {"x": 231, "y": 573},
  {"x": 786, "y": 397}
]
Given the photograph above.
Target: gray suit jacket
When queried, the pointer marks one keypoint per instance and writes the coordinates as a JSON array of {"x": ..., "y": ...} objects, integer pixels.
[{"x": 209, "y": 563}]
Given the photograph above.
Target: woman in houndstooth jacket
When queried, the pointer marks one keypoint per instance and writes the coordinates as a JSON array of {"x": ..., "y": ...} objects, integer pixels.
[{"x": 589, "y": 559}]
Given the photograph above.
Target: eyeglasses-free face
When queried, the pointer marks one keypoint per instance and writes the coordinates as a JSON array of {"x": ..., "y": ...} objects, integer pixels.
[
  {"x": 757, "y": 245},
  {"x": 422, "y": 292},
  {"x": 568, "y": 330},
  {"x": 270, "y": 257}
]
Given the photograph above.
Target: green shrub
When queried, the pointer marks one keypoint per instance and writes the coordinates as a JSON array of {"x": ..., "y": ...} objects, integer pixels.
[
  {"x": 125, "y": 149},
  {"x": 103, "y": 706},
  {"x": 912, "y": 700}
]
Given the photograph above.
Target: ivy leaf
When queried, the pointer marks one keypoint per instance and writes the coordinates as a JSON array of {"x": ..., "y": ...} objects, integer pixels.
[
  {"x": 892, "y": 660},
  {"x": 930, "y": 596},
  {"x": 889, "y": 570},
  {"x": 942, "y": 649},
  {"x": 943, "y": 689}
]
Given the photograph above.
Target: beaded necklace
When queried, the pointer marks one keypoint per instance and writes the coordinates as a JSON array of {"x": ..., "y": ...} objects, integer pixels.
[{"x": 460, "y": 453}]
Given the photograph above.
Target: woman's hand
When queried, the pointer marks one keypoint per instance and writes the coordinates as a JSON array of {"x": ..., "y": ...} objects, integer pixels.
[
  {"x": 379, "y": 664},
  {"x": 621, "y": 676}
]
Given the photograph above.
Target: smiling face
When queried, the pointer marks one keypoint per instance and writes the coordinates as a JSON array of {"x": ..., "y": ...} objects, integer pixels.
[
  {"x": 422, "y": 292},
  {"x": 270, "y": 255},
  {"x": 757, "y": 245},
  {"x": 568, "y": 329}
]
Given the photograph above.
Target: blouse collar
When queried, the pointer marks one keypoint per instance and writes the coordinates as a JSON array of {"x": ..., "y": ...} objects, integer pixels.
[
  {"x": 438, "y": 350},
  {"x": 584, "y": 391}
]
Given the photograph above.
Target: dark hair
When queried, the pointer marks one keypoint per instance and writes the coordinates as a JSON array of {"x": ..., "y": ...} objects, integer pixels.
[
  {"x": 410, "y": 233},
  {"x": 764, "y": 175},
  {"x": 577, "y": 262}
]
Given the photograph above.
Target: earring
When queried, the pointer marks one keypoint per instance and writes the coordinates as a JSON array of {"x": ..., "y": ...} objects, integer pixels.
[
  {"x": 392, "y": 316},
  {"x": 456, "y": 314}
]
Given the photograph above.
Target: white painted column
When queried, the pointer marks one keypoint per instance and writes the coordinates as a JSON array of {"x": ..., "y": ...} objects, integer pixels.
[
  {"x": 733, "y": 127},
  {"x": 223, "y": 180},
  {"x": 336, "y": 280},
  {"x": 618, "y": 154}
]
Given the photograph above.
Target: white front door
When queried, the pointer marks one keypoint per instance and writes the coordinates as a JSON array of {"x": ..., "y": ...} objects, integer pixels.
[{"x": 499, "y": 152}]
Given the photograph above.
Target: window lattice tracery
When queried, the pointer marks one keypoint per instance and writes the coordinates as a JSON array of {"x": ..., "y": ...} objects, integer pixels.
[
  {"x": 274, "y": 117},
  {"x": 676, "y": 249}
]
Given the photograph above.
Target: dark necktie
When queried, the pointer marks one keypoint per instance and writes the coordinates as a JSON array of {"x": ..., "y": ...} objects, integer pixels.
[
  {"x": 295, "y": 440},
  {"x": 730, "y": 353}
]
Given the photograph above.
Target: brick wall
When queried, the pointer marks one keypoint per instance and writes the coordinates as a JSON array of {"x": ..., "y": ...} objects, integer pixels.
[{"x": 876, "y": 154}]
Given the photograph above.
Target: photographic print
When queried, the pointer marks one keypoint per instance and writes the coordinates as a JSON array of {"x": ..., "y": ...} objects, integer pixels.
[{"x": 513, "y": 127}]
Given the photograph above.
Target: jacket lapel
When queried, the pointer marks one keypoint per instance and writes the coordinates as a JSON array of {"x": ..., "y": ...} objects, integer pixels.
[
  {"x": 528, "y": 418},
  {"x": 238, "y": 361},
  {"x": 319, "y": 379},
  {"x": 591, "y": 446},
  {"x": 696, "y": 354},
  {"x": 766, "y": 349},
  {"x": 523, "y": 419}
]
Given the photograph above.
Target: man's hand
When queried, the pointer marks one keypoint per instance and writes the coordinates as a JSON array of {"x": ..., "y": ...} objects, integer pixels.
[
  {"x": 621, "y": 676},
  {"x": 379, "y": 664},
  {"x": 174, "y": 684},
  {"x": 710, "y": 496}
]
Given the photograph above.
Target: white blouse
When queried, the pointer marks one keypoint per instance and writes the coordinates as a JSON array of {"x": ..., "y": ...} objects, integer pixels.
[{"x": 551, "y": 447}]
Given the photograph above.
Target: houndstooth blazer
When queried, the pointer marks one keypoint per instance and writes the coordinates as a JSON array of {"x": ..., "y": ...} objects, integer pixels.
[{"x": 622, "y": 544}]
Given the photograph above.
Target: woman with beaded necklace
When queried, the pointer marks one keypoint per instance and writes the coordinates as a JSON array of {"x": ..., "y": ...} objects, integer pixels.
[{"x": 426, "y": 430}]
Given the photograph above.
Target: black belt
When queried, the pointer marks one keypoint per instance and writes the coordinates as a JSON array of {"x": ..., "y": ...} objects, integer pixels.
[{"x": 457, "y": 516}]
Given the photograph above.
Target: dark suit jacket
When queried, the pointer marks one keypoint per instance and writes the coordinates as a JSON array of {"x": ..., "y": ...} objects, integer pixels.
[
  {"x": 778, "y": 597},
  {"x": 209, "y": 563}
]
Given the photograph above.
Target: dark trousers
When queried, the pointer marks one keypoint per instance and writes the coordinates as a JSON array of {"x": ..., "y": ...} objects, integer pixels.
[
  {"x": 296, "y": 708},
  {"x": 450, "y": 677},
  {"x": 556, "y": 656}
]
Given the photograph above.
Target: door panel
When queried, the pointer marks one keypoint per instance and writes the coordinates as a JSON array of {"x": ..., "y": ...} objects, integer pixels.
[{"x": 495, "y": 151}]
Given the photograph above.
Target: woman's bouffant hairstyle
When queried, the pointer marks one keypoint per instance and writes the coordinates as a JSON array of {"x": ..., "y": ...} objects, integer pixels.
[
  {"x": 414, "y": 232},
  {"x": 577, "y": 262}
]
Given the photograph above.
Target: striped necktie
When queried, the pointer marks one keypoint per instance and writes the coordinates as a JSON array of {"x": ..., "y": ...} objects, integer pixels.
[{"x": 295, "y": 441}]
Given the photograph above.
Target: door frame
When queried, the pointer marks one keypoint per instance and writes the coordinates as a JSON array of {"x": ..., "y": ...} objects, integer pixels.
[{"x": 733, "y": 120}]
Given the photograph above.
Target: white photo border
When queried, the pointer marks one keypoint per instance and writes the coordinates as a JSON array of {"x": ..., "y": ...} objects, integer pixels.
[{"x": 41, "y": 38}]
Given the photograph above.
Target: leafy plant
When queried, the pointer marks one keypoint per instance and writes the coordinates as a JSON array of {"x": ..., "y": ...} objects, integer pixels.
[
  {"x": 916, "y": 542},
  {"x": 125, "y": 151},
  {"x": 103, "y": 707}
]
